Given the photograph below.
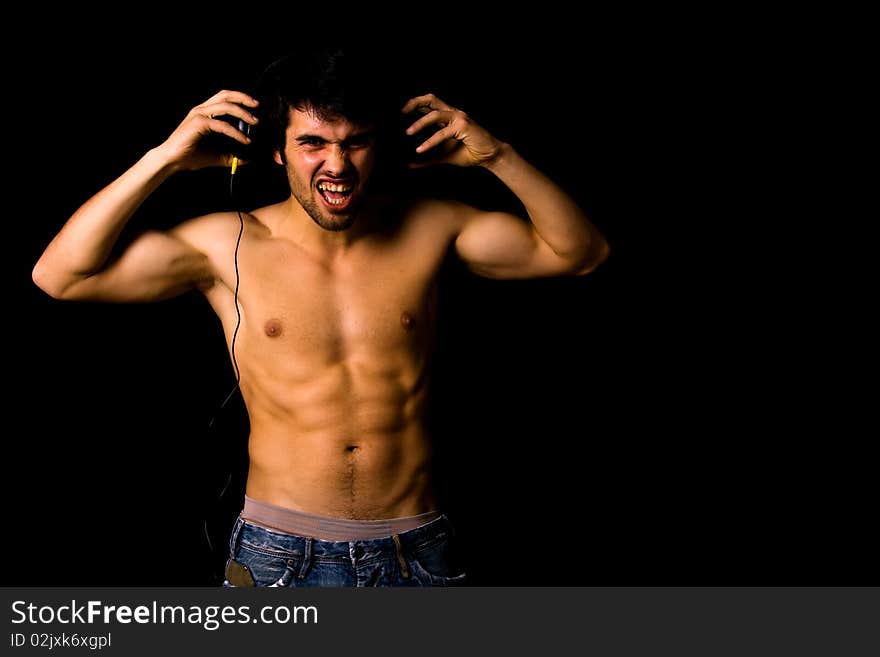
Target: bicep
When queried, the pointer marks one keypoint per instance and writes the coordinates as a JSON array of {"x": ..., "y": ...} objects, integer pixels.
[
  {"x": 154, "y": 266},
  {"x": 501, "y": 245}
]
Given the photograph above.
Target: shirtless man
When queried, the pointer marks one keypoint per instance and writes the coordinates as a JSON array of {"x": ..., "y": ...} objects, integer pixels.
[{"x": 336, "y": 309}]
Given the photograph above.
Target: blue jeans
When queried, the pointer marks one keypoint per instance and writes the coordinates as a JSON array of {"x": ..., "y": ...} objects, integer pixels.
[{"x": 267, "y": 557}]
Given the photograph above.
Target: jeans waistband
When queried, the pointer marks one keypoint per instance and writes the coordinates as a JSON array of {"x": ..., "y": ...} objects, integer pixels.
[{"x": 282, "y": 544}]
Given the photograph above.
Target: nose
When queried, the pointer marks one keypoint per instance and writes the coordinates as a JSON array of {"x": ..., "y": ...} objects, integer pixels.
[{"x": 337, "y": 160}]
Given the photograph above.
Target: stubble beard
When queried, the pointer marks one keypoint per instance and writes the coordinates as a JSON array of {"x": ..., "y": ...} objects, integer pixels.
[{"x": 331, "y": 222}]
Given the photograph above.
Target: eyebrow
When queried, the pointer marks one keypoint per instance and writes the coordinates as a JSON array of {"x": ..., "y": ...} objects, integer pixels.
[{"x": 355, "y": 136}]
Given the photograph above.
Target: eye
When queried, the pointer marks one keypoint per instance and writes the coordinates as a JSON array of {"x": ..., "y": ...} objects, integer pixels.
[
  {"x": 361, "y": 141},
  {"x": 312, "y": 142}
]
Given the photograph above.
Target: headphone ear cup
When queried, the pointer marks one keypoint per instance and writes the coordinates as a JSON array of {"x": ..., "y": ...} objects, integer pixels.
[
  {"x": 244, "y": 151},
  {"x": 223, "y": 144}
]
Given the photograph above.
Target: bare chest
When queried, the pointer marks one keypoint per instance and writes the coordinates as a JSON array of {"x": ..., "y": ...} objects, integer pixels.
[{"x": 370, "y": 301}]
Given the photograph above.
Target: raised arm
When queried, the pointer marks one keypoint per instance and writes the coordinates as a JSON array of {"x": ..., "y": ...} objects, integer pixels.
[
  {"x": 560, "y": 240},
  {"x": 77, "y": 264}
]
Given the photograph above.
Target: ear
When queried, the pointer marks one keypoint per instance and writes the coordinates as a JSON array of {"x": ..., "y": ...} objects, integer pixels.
[{"x": 279, "y": 158}]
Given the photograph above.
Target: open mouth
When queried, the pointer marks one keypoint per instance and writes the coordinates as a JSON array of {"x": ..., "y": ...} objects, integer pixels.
[{"x": 336, "y": 195}]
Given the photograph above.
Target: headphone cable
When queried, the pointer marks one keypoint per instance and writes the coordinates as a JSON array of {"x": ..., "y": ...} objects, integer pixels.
[
  {"x": 237, "y": 281},
  {"x": 234, "y": 337}
]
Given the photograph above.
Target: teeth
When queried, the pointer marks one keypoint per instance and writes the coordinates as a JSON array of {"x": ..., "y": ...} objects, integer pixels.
[{"x": 330, "y": 187}]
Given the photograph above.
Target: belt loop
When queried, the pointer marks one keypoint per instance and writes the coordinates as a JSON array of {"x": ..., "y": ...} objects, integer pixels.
[
  {"x": 404, "y": 566},
  {"x": 307, "y": 559},
  {"x": 449, "y": 525},
  {"x": 233, "y": 537}
]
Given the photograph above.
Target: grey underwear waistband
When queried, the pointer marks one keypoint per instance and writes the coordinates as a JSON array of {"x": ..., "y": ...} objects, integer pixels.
[{"x": 329, "y": 529}]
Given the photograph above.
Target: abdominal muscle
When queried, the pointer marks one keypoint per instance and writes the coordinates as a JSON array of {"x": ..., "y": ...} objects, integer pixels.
[{"x": 345, "y": 441}]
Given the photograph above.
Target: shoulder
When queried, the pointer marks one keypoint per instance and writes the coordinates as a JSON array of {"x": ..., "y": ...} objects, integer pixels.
[
  {"x": 207, "y": 231},
  {"x": 438, "y": 214}
]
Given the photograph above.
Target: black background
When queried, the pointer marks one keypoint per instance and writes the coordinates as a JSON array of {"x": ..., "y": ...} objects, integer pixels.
[{"x": 635, "y": 426}]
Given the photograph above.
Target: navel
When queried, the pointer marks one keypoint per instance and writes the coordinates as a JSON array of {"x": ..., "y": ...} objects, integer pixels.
[
  {"x": 273, "y": 328},
  {"x": 407, "y": 321}
]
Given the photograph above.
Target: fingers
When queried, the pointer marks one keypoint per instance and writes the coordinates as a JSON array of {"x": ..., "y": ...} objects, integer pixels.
[
  {"x": 225, "y": 108},
  {"x": 445, "y": 117},
  {"x": 435, "y": 139},
  {"x": 225, "y": 103},
  {"x": 216, "y": 125},
  {"x": 425, "y": 104}
]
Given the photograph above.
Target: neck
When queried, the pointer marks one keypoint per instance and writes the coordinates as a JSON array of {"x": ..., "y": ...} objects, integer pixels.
[{"x": 295, "y": 224}]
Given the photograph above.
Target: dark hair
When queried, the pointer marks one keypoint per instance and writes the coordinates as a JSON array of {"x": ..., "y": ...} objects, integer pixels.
[{"x": 331, "y": 83}]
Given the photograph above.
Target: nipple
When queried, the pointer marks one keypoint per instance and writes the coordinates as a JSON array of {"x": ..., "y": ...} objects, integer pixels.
[
  {"x": 407, "y": 321},
  {"x": 273, "y": 328}
]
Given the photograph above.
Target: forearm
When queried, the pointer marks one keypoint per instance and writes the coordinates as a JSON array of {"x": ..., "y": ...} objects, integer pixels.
[
  {"x": 83, "y": 245},
  {"x": 555, "y": 216}
]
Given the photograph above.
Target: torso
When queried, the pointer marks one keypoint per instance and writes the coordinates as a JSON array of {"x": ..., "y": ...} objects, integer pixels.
[{"x": 334, "y": 360}]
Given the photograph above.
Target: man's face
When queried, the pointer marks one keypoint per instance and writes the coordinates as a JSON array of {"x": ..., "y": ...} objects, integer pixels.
[{"x": 328, "y": 164}]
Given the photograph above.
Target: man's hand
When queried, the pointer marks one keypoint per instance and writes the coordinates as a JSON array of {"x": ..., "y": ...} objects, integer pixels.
[
  {"x": 459, "y": 140},
  {"x": 181, "y": 149}
]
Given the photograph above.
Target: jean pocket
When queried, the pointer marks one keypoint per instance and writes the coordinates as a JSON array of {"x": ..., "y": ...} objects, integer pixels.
[
  {"x": 238, "y": 575},
  {"x": 426, "y": 578},
  {"x": 437, "y": 565},
  {"x": 267, "y": 570}
]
